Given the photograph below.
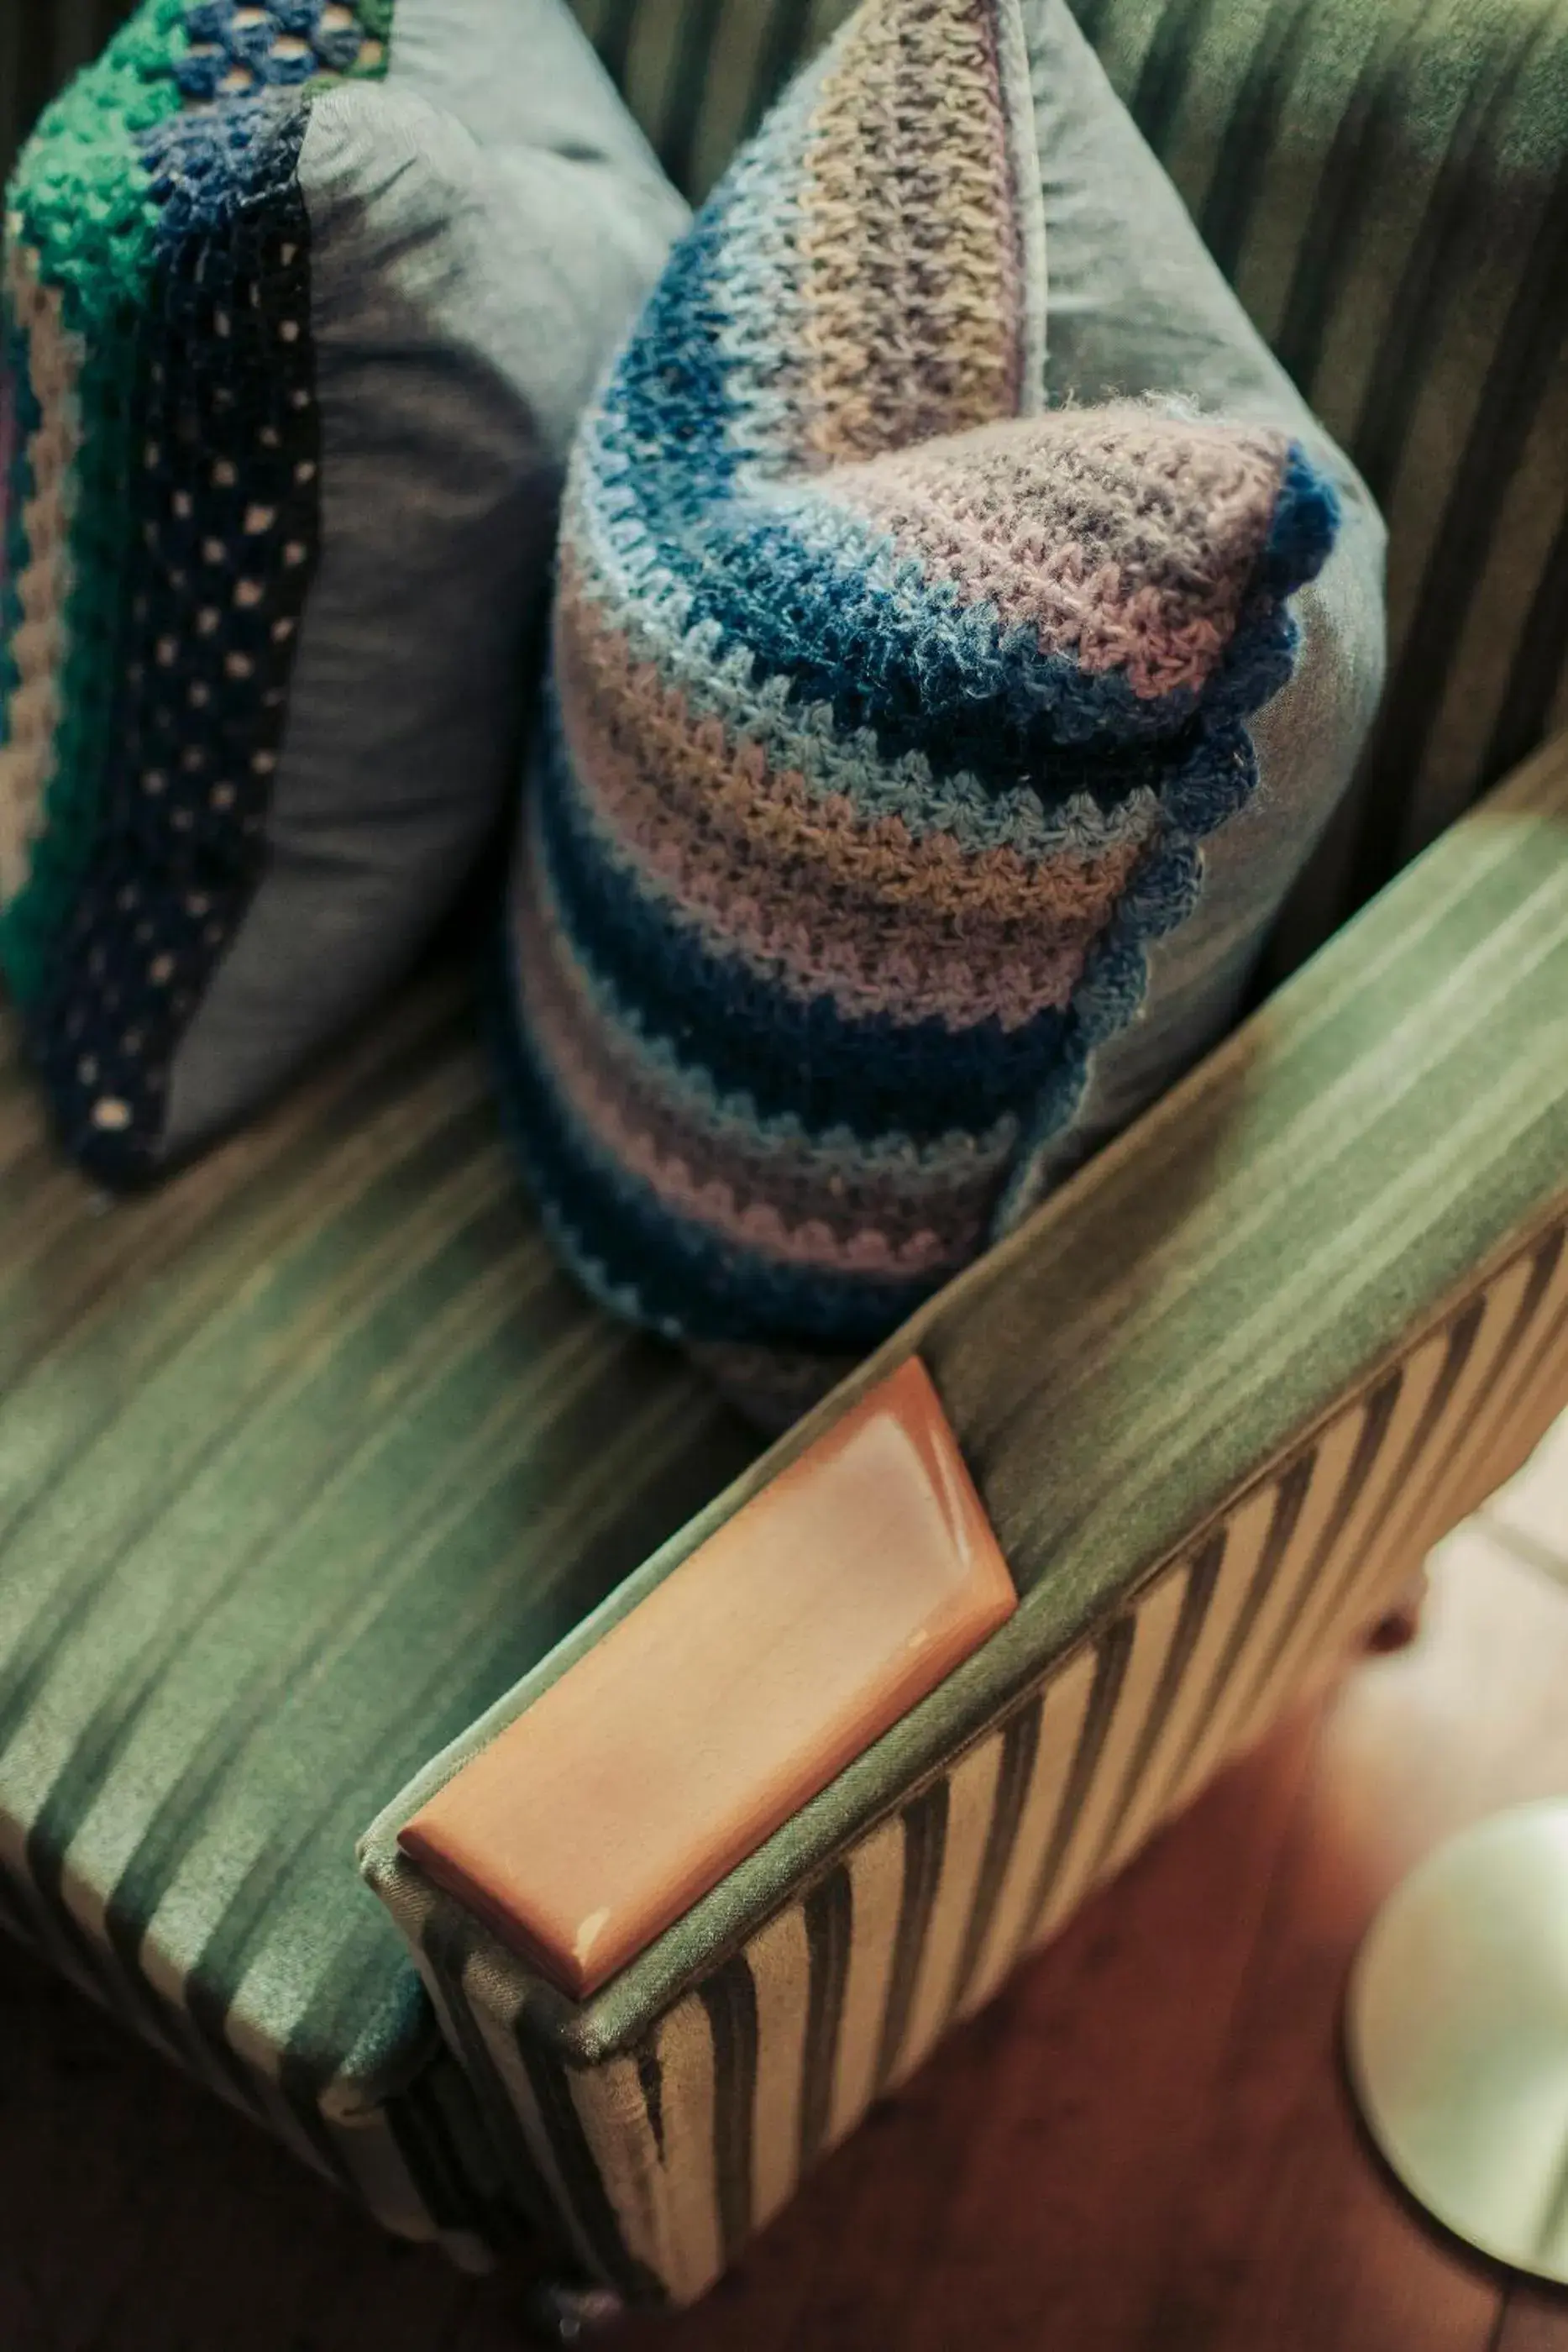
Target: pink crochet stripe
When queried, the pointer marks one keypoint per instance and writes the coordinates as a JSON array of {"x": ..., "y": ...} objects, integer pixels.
[
  {"x": 803, "y": 930},
  {"x": 1122, "y": 537},
  {"x": 697, "y": 774}
]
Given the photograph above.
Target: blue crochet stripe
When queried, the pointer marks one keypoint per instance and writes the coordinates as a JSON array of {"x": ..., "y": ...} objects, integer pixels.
[
  {"x": 638, "y": 1258},
  {"x": 1305, "y": 527},
  {"x": 666, "y": 401},
  {"x": 280, "y": 44},
  {"x": 923, "y": 1077},
  {"x": 228, "y": 500}
]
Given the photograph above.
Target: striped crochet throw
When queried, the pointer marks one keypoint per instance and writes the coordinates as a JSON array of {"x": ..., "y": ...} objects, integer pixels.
[{"x": 889, "y": 712}]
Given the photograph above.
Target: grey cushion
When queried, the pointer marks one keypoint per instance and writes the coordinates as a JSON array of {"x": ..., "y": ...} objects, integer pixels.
[{"x": 481, "y": 227}]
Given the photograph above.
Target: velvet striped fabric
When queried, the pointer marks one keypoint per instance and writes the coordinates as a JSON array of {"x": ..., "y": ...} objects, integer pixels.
[
  {"x": 1284, "y": 1230},
  {"x": 302, "y": 1460},
  {"x": 665, "y": 2158},
  {"x": 1220, "y": 1397}
]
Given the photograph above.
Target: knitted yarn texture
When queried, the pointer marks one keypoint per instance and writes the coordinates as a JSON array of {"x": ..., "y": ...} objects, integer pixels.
[
  {"x": 888, "y": 715},
  {"x": 159, "y": 526}
]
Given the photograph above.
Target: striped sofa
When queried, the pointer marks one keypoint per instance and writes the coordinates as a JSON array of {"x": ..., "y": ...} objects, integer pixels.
[{"x": 314, "y": 1470}]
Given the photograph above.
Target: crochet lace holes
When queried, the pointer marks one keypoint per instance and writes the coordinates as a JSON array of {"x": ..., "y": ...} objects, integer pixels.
[
  {"x": 111, "y": 1114},
  {"x": 218, "y": 435}
]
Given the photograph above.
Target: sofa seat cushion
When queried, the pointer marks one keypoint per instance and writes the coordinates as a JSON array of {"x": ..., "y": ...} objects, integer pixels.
[{"x": 304, "y": 1459}]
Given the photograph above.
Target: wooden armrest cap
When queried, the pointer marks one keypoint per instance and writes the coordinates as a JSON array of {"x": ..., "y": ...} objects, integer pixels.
[{"x": 778, "y": 1651}]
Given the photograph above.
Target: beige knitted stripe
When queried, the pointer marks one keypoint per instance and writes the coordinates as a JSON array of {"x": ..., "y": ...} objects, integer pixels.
[{"x": 912, "y": 297}]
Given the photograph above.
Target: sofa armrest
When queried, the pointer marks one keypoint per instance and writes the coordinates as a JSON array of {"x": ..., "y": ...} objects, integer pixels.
[{"x": 1218, "y": 1397}]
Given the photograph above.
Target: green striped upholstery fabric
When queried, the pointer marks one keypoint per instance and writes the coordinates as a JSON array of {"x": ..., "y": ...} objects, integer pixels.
[
  {"x": 312, "y": 1467},
  {"x": 304, "y": 1457},
  {"x": 699, "y": 75},
  {"x": 1220, "y": 1396}
]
